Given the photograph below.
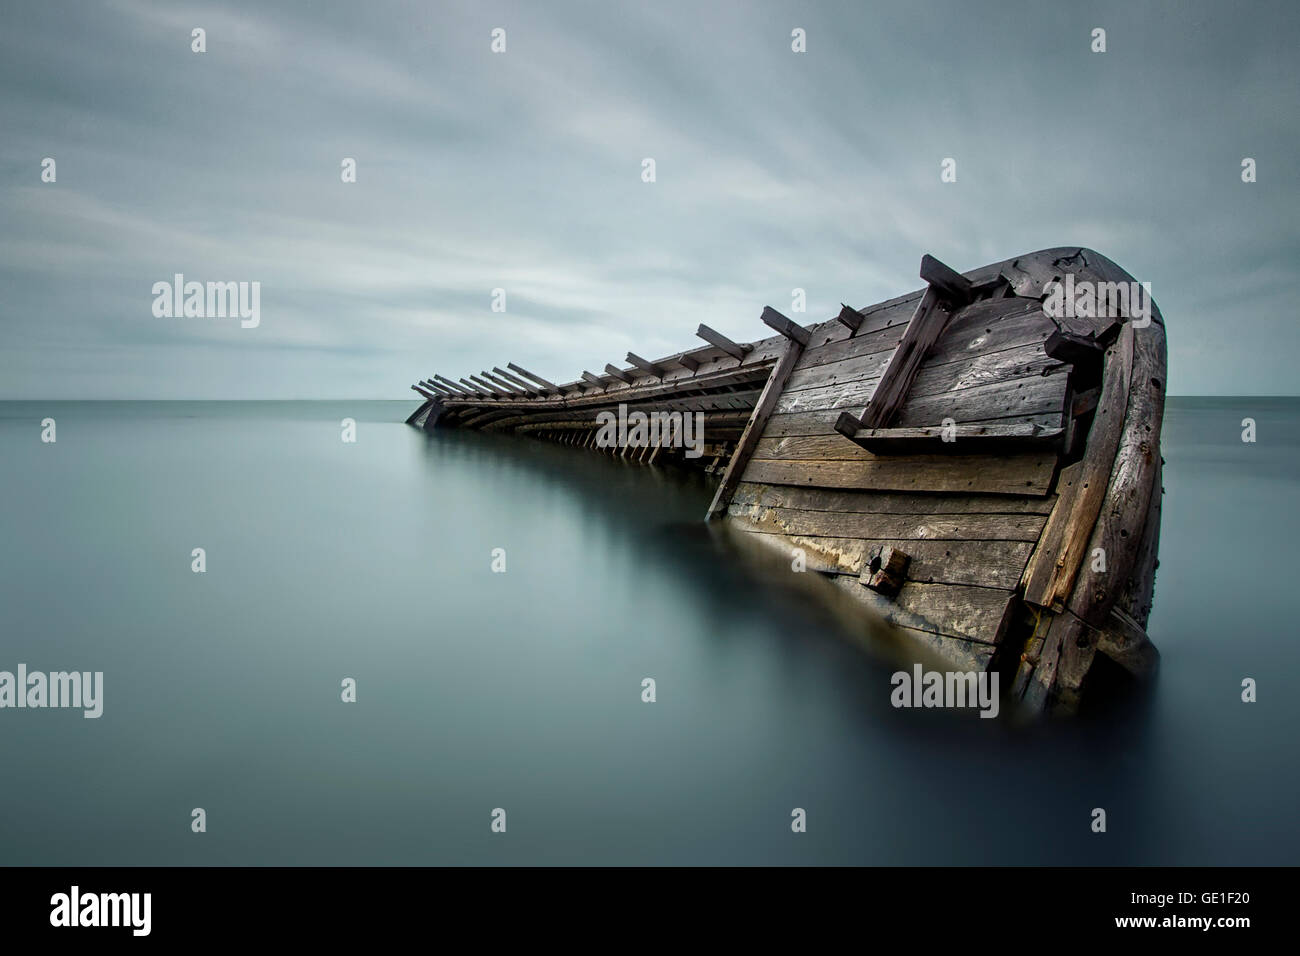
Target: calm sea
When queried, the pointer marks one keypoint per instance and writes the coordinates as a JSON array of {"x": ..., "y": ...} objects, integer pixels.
[{"x": 522, "y": 690}]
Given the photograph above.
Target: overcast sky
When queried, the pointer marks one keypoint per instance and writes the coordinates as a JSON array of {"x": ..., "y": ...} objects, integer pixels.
[{"x": 522, "y": 170}]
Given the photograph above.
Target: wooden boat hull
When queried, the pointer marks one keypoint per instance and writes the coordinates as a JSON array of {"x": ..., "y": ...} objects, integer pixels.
[{"x": 998, "y": 499}]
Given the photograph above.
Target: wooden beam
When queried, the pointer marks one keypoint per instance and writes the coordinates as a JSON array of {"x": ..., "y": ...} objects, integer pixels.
[
  {"x": 427, "y": 394},
  {"x": 1075, "y": 349},
  {"x": 437, "y": 387},
  {"x": 454, "y": 386},
  {"x": 618, "y": 373},
  {"x": 963, "y": 439},
  {"x": 502, "y": 373},
  {"x": 754, "y": 428},
  {"x": 885, "y": 570},
  {"x": 927, "y": 324},
  {"x": 475, "y": 390},
  {"x": 795, "y": 333},
  {"x": 1049, "y": 576},
  {"x": 688, "y": 363},
  {"x": 509, "y": 387},
  {"x": 952, "y": 285},
  {"x": 718, "y": 340},
  {"x": 535, "y": 378},
  {"x": 595, "y": 380},
  {"x": 646, "y": 365},
  {"x": 491, "y": 389},
  {"x": 849, "y": 317}
]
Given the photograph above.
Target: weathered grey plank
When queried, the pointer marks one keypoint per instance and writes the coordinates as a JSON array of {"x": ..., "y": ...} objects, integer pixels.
[
  {"x": 901, "y": 527},
  {"x": 754, "y": 429},
  {"x": 816, "y": 499},
  {"x": 1060, "y": 554},
  {"x": 1029, "y": 474}
]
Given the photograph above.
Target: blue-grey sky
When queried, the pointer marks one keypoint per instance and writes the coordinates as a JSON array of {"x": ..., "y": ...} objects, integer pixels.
[{"x": 522, "y": 170}]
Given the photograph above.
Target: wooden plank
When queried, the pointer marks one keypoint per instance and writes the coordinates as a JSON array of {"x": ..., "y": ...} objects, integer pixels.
[
  {"x": 954, "y": 286},
  {"x": 990, "y": 368},
  {"x": 595, "y": 380},
  {"x": 1029, "y": 396},
  {"x": 645, "y": 365},
  {"x": 900, "y": 527},
  {"x": 993, "y": 564},
  {"x": 850, "y": 318},
  {"x": 750, "y": 494},
  {"x": 516, "y": 380},
  {"x": 618, "y": 373},
  {"x": 822, "y": 422},
  {"x": 1051, "y": 573},
  {"x": 549, "y": 386},
  {"x": 957, "y": 610},
  {"x": 718, "y": 340},
  {"x": 488, "y": 386},
  {"x": 508, "y": 387},
  {"x": 754, "y": 429},
  {"x": 923, "y": 331},
  {"x": 783, "y": 326},
  {"x": 454, "y": 386},
  {"x": 941, "y": 439},
  {"x": 1028, "y": 474},
  {"x": 864, "y": 367}
]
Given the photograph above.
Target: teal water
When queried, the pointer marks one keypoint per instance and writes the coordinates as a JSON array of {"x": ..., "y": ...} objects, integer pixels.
[{"x": 522, "y": 690}]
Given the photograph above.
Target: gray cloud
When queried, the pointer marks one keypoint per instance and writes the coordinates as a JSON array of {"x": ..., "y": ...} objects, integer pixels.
[{"x": 522, "y": 171}]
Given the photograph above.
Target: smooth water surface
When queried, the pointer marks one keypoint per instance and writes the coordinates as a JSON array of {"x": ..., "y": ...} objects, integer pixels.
[{"x": 522, "y": 690}]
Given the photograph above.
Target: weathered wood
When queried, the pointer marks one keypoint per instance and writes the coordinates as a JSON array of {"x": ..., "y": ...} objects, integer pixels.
[
  {"x": 750, "y": 494},
  {"x": 444, "y": 389},
  {"x": 1028, "y": 474},
  {"x": 749, "y": 439},
  {"x": 508, "y": 388},
  {"x": 549, "y": 386},
  {"x": 488, "y": 386},
  {"x": 618, "y": 373},
  {"x": 900, "y": 526},
  {"x": 688, "y": 363},
  {"x": 1051, "y": 574},
  {"x": 416, "y": 416},
  {"x": 595, "y": 380},
  {"x": 886, "y": 570},
  {"x": 515, "y": 380},
  {"x": 822, "y": 422},
  {"x": 976, "y": 614},
  {"x": 1075, "y": 349},
  {"x": 454, "y": 386},
  {"x": 719, "y": 340},
  {"x": 645, "y": 365},
  {"x": 990, "y": 564},
  {"x": 783, "y": 326},
  {"x": 952, "y": 285},
  {"x": 923, "y": 331},
  {"x": 950, "y": 439},
  {"x": 474, "y": 389},
  {"x": 850, "y": 318}
]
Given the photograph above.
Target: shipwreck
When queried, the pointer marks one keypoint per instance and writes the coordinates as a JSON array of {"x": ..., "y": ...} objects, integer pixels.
[{"x": 976, "y": 462}]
